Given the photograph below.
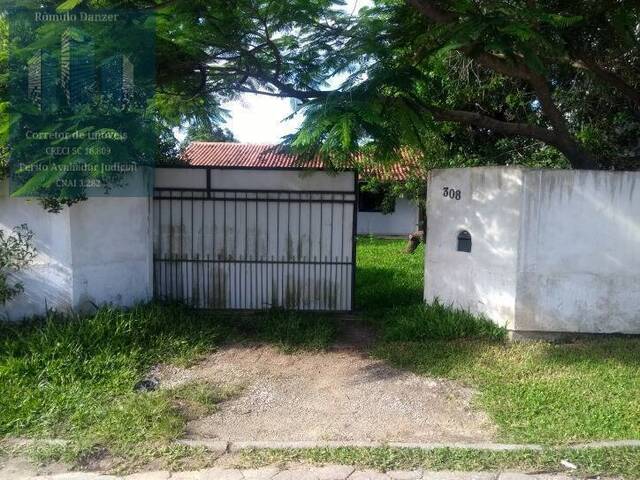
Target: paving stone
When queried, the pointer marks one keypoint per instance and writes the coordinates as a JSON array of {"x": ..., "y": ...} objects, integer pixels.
[
  {"x": 220, "y": 474},
  {"x": 186, "y": 475},
  {"x": 266, "y": 473},
  {"x": 369, "y": 475},
  {"x": 405, "y": 474},
  {"x": 157, "y": 475},
  {"x": 459, "y": 476},
  {"x": 214, "y": 446},
  {"x": 77, "y": 476},
  {"x": 332, "y": 472},
  {"x": 524, "y": 476},
  {"x": 296, "y": 474}
]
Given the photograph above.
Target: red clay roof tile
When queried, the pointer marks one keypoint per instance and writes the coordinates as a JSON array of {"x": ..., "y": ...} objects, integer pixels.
[{"x": 244, "y": 155}]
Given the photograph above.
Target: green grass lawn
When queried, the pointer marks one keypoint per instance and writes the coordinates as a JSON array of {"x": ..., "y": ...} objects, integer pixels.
[
  {"x": 589, "y": 462},
  {"x": 74, "y": 378},
  {"x": 535, "y": 392}
]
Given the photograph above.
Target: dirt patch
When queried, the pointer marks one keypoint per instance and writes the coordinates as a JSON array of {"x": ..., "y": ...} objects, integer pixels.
[
  {"x": 19, "y": 467},
  {"x": 342, "y": 394}
]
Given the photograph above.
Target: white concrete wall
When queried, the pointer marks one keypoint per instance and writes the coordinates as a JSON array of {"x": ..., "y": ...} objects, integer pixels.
[
  {"x": 401, "y": 222},
  {"x": 93, "y": 253},
  {"x": 579, "y": 262},
  {"x": 48, "y": 281},
  {"x": 553, "y": 251},
  {"x": 483, "y": 281},
  {"x": 111, "y": 251}
]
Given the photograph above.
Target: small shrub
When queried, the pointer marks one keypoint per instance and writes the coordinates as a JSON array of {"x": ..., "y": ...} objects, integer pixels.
[{"x": 16, "y": 252}]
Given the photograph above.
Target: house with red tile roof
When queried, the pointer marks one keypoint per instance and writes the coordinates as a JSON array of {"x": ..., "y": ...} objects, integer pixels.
[{"x": 401, "y": 220}]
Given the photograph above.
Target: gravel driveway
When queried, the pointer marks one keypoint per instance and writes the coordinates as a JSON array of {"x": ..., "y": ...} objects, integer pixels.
[{"x": 341, "y": 395}]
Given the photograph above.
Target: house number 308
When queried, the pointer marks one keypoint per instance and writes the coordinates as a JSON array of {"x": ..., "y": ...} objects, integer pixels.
[{"x": 451, "y": 193}]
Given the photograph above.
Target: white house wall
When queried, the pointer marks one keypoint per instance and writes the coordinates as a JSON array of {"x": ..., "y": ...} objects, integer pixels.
[{"x": 401, "y": 222}]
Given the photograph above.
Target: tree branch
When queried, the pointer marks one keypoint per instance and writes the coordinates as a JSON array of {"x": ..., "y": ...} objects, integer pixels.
[
  {"x": 577, "y": 157},
  {"x": 560, "y": 137},
  {"x": 431, "y": 11},
  {"x": 610, "y": 78},
  {"x": 506, "y": 128}
]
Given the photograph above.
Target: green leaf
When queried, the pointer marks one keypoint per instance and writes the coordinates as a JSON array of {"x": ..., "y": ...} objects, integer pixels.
[
  {"x": 561, "y": 21},
  {"x": 68, "y": 5}
]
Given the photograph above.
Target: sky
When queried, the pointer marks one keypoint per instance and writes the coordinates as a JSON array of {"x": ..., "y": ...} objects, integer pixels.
[{"x": 261, "y": 119}]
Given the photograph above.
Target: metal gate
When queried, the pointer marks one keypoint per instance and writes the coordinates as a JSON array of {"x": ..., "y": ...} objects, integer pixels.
[{"x": 255, "y": 248}]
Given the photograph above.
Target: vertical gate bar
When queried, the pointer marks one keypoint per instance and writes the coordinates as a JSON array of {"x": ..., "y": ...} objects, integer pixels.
[
  {"x": 253, "y": 283},
  {"x": 197, "y": 264},
  {"x": 202, "y": 247},
  {"x": 241, "y": 267},
  {"x": 208, "y": 173},
  {"x": 342, "y": 259},
  {"x": 158, "y": 249},
  {"x": 256, "y": 269},
  {"x": 192, "y": 235},
  {"x": 266, "y": 301},
  {"x": 214, "y": 266},
  {"x": 278, "y": 267},
  {"x": 224, "y": 247},
  {"x": 353, "y": 241},
  {"x": 307, "y": 281},
  {"x": 208, "y": 289},
  {"x": 299, "y": 266},
  {"x": 312, "y": 298},
  {"x": 321, "y": 267},
  {"x": 181, "y": 246},
  {"x": 259, "y": 257},
  {"x": 257, "y": 265},
  {"x": 246, "y": 247},
  {"x": 232, "y": 256},
  {"x": 207, "y": 293},
  {"x": 171, "y": 244},
  {"x": 165, "y": 291},
  {"x": 289, "y": 250},
  {"x": 235, "y": 250},
  {"x": 203, "y": 271},
  {"x": 332, "y": 283}
]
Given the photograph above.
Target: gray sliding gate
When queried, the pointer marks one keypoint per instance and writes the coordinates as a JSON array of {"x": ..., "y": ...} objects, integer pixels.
[{"x": 250, "y": 248}]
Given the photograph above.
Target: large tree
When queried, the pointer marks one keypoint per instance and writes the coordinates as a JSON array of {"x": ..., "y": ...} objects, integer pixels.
[
  {"x": 463, "y": 81},
  {"x": 484, "y": 81},
  {"x": 545, "y": 73}
]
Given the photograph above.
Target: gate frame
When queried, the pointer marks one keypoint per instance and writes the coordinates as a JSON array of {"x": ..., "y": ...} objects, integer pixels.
[{"x": 208, "y": 192}]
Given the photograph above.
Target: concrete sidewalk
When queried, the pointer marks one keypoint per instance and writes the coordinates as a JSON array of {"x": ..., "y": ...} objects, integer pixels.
[{"x": 332, "y": 472}]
